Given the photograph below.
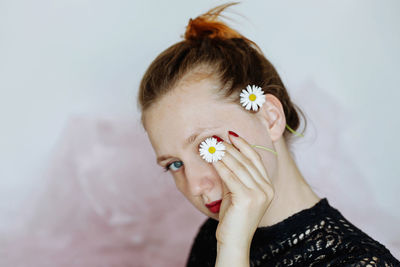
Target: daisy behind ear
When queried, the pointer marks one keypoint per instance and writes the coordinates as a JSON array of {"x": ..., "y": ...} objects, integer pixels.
[{"x": 252, "y": 97}]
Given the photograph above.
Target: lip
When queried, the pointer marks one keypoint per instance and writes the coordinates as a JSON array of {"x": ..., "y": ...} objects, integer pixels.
[{"x": 214, "y": 206}]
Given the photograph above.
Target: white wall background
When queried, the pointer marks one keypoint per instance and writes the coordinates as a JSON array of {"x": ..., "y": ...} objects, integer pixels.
[{"x": 340, "y": 60}]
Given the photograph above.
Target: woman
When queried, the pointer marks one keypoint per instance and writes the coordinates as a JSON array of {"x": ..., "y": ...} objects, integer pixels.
[{"x": 220, "y": 120}]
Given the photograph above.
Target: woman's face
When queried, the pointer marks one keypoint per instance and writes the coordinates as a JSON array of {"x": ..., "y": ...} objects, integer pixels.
[{"x": 182, "y": 119}]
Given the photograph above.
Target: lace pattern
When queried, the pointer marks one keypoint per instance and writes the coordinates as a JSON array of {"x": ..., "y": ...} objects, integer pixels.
[{"x": 318, "y": 236}]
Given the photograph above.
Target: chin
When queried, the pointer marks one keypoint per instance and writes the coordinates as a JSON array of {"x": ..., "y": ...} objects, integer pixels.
[
  {"x": 213, "y": 215},
  {"x": 208, "y": 213}
]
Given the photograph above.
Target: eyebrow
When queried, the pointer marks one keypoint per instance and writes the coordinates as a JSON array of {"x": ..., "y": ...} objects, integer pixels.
[{"x": 190, "y": 140}]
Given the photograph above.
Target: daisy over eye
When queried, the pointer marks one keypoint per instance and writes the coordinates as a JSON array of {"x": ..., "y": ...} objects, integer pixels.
[{"x": 211, "y": 150}]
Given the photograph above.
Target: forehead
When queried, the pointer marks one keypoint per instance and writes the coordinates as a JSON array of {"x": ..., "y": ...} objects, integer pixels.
[
  {"x": 190, "y": 105},
  {"x": 183, "y": 102}
]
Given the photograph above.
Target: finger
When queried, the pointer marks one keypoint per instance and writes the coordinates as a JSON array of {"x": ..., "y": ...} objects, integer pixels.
[
  {"x": 238, "y": 167},
  {"x": 240, "y": 158},
  {"x": 226, "y": 200},
  {"x": 246, "y": 149},
  {"x": 233, "y": 184},
  {"x": 225, "y": 191}
]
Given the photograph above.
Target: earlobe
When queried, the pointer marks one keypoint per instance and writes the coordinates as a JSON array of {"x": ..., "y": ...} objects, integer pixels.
[{"x": 273, "y": 115}]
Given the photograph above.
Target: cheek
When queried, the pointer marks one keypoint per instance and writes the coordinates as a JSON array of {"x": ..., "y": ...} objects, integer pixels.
[{"x": 180, "y": 184}]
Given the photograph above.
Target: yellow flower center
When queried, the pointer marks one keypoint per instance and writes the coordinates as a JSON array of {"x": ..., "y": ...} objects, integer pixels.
[
  {"x": 212, "y": 150},
  {"x": 252, "y": 97}
]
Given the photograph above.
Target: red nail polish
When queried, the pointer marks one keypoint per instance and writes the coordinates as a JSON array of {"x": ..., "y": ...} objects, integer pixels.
[
  {"x": 219, "y": 139},
  {"x": 233, "y": 133}
]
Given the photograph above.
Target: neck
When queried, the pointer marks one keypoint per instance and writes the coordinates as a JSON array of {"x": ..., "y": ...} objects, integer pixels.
[{"x": 292, "y": 193}]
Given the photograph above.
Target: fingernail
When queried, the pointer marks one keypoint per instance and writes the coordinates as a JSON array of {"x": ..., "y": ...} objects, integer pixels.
[
  {"x": 219, "y": 139},
  {"x": 233, "y": 133}
]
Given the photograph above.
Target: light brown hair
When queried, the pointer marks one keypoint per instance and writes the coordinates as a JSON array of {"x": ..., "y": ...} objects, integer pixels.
[{"x": 236, "y": 60}]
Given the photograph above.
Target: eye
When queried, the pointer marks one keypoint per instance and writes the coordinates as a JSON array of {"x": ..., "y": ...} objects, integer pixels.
[{"x": 174, "y": 166}]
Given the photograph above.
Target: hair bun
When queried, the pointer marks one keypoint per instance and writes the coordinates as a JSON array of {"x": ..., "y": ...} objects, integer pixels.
[{"x": 207, "y": 25}]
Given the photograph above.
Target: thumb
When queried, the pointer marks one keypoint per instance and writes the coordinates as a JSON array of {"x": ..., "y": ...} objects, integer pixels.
[{"x": 226, "y": 200}]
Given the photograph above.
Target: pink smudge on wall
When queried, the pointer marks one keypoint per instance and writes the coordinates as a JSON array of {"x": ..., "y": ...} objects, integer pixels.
[{"x": 105, "y": 202}]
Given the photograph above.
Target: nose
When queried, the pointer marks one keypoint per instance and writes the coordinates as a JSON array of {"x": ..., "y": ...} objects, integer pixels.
[{"x": 201, "y": 177}]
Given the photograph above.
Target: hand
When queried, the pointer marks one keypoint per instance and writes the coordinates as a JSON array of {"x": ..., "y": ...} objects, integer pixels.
[{"x": 247, "y": 193}]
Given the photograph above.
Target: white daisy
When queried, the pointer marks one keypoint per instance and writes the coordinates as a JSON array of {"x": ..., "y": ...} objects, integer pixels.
[
  {"x": 253, "y": 98},
  {"x": 211, "y": 150}
]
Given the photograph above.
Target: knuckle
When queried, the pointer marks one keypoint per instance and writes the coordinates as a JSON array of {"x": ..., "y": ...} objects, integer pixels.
[
  {"x": 255, "y": 197},
  {"x": 262, "y": 198},
  {"x": 270, "y": 192}
]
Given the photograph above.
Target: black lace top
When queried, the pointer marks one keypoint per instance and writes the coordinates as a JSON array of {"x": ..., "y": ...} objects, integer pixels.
[{"x": 318, "y": 236}]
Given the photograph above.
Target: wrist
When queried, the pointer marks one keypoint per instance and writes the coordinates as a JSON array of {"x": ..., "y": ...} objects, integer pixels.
[
  {"x": 240, "y": 242},
  {"x": 233, "y": 254},
  {"x": 242, "y": 245}
]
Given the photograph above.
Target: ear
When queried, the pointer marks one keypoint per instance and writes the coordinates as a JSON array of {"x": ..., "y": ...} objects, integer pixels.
[{"x": 272, "y": 116}]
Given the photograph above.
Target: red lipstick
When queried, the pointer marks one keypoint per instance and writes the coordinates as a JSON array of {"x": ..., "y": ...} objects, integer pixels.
[{"x": 214, "y": 206}]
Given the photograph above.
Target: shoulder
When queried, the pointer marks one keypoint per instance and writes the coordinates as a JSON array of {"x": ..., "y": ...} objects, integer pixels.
[
  {"x": 354, "y": 247},
  {"x": 204, "y": 248},
  {"x": 366, "y": 256}
]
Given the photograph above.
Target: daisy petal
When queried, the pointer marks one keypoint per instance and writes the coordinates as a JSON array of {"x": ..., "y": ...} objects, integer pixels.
[{"x": 248, "y": 106}]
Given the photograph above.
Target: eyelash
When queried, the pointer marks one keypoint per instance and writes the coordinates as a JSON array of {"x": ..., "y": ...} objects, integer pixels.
[{"x": 167, "y": 168}]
